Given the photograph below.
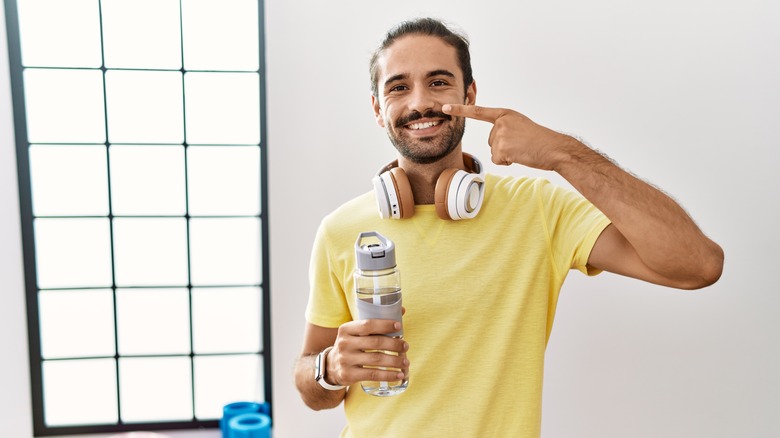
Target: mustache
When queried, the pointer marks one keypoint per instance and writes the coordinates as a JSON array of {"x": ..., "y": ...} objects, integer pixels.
[{"x": 416, "y": 115}]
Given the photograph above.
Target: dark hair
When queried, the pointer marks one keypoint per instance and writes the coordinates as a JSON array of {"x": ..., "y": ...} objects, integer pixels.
[{"x": 425, "y": 26}]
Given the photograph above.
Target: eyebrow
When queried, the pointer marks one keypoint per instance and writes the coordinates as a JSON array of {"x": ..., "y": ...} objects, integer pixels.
[
  {"x": 432, "y": 73},
  {"x": 441, "y": 72}
]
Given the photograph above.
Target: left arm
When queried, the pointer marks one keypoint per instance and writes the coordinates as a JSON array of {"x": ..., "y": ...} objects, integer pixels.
[{"x": 651, "y": 237}]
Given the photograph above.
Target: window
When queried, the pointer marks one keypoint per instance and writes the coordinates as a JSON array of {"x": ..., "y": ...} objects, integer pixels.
[{"x": 141, "y": 155}]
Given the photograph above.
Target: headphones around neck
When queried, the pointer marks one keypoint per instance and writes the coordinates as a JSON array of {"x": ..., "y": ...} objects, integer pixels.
[{"x": 458, "y": 194}]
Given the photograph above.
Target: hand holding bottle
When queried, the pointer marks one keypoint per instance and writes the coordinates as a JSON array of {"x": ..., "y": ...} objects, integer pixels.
[{"x": 360, "y": 353}]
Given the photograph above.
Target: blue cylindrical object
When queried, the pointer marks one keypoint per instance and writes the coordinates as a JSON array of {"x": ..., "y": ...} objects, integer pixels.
[
  {"x": 233, "y": 410},
  {"x": 254, "y": 425}
]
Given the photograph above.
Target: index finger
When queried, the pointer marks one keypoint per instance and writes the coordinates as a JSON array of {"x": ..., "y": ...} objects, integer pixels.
[{"x": 473, "y": 112}]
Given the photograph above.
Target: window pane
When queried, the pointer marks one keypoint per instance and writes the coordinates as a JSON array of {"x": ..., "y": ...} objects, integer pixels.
[
  {"x": 64, "y": 106},
  {"x": 60, "y": 33},
  {"x": 226, "y": 320},
  {"x": 223, "y": 108},
  {"x": 157, "y": 44},
  {"x": 220, "y": 380},
  {"x": 150, "y": 252},
  {"x": 126, "y": 203},
  {"x": 155, "y": 389},
  {"x": 220, "y": 35},
  {"x": 76, "y": 323},
  {"x": 72, "y": 253},
  {"x": 144, "y": 106},
  {"x": 224, "y": 180},
  {"x": 147, "y": 180},
  {"x": 79, "y": 392},
  {"x": 153, "y": 321},
  {"x": 69, "y": 180},
  {"x": 225, "y": 251}
]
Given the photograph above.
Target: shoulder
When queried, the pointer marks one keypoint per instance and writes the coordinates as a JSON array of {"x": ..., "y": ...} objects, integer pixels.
[
  {"x": 517, "y": 186},
  {"x": 356, "y": 209},
  {"x": 514, "y": 197},
  {"x": 356, "y": 214}
]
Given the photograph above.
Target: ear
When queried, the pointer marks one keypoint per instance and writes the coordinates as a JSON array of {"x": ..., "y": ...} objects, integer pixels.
[
  {"x": 471, "y": 93},
  {"x": 377, "y": 111}
]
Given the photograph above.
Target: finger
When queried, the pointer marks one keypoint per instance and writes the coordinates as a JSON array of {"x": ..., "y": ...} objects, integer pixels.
[
  {"x": 501, "y": 161},
  {"x": 473, "y": 112},
  {"x": 491, "y": 137},
  {"x": 377, "y": 375},
  {"x": 379, "y": 343},
  {"x": 384, "y": 359},
  {"x": 348, "y": 368},
  {"x": 367, "y": 327}
]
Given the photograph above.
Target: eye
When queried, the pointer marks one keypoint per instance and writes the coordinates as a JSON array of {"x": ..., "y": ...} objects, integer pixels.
[
  {"x": 439, "y": 83},
  {"x": 396, "y": 88}
]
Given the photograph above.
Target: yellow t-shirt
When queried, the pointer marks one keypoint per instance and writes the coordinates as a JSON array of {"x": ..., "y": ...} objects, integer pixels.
[{"x": 480, "y": 298}]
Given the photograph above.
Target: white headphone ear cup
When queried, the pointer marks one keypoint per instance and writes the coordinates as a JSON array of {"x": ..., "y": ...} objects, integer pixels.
[
  {"x": 459, "y": 194},
  {"x": 465, "y": 195},
  {"x": 394, "y": 194},
  {"x": 382, "y": 197},
  {"x": 403, "y": 192},
  {"x": 442, "y": 193},
  {"x": 454, "y": 198}
]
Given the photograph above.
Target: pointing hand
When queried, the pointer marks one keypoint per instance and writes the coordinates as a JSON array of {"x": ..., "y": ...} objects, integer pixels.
[{"x": 515, "y": 138}]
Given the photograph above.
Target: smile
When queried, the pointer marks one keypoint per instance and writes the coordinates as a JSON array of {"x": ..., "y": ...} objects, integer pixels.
[{"x": 423, "y": 125}]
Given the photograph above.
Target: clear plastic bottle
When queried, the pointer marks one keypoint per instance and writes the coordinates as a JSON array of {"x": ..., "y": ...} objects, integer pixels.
[{"x": 378, "y": 290}]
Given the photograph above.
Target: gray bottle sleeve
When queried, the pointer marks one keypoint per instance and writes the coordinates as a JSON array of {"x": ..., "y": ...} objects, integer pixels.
[{"x": 367, "y": 310}]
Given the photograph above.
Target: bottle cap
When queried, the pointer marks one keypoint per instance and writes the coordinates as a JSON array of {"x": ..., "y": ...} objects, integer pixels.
[{"x": 375, "y": 255}]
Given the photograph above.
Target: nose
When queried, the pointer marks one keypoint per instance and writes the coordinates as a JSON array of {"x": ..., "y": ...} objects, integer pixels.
[{"x": 421, "y": 100}]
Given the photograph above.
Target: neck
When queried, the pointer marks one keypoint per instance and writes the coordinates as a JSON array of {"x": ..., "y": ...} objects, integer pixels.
[{"x": 423, "y": 177}]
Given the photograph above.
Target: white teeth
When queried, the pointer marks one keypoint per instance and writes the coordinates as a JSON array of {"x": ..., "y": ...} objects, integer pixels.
[{"x": 423, "y": 125}]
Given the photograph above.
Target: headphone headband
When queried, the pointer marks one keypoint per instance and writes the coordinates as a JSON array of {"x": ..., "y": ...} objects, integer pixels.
[{"x": 472, "y": 164}]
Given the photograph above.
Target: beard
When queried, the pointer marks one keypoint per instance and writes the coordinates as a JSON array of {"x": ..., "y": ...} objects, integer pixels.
[{"x": 426, "y": 150}]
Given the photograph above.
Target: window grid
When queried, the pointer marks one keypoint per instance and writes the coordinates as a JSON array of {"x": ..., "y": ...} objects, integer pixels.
[{"x": 29, "y": 218}]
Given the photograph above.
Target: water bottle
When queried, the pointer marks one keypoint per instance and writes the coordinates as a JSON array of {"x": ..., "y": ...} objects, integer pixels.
[{"x": 378, "y": 288}]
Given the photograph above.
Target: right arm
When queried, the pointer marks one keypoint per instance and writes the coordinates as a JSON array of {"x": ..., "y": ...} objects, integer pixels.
[
  {"x": 355, "y": 344},
  {"x": 316, "y": 339}
]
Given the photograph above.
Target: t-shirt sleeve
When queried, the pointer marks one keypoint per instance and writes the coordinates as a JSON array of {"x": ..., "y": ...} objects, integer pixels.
[
  {"x": 327, "y": 306},
  {"x": 573, "y": 224}
]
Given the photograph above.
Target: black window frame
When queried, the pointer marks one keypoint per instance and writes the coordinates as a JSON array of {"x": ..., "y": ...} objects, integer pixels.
[{"x": 28, "y": 246}]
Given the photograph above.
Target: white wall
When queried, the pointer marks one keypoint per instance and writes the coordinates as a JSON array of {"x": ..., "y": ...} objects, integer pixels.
[{"x": 683, "y": 93}]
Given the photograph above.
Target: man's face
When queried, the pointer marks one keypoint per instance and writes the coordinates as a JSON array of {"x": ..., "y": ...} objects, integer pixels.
[{"x": 417, "y": 75}]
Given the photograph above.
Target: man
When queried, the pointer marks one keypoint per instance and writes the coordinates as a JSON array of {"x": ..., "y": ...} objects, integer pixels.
[{"x": 479, "y": 293}]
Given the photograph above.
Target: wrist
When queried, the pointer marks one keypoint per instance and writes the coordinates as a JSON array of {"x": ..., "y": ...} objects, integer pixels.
[
  {"x": 321, "y": 371},
  {"x": 572, "y": 153},
  {"x": 327, "y": 373}
]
